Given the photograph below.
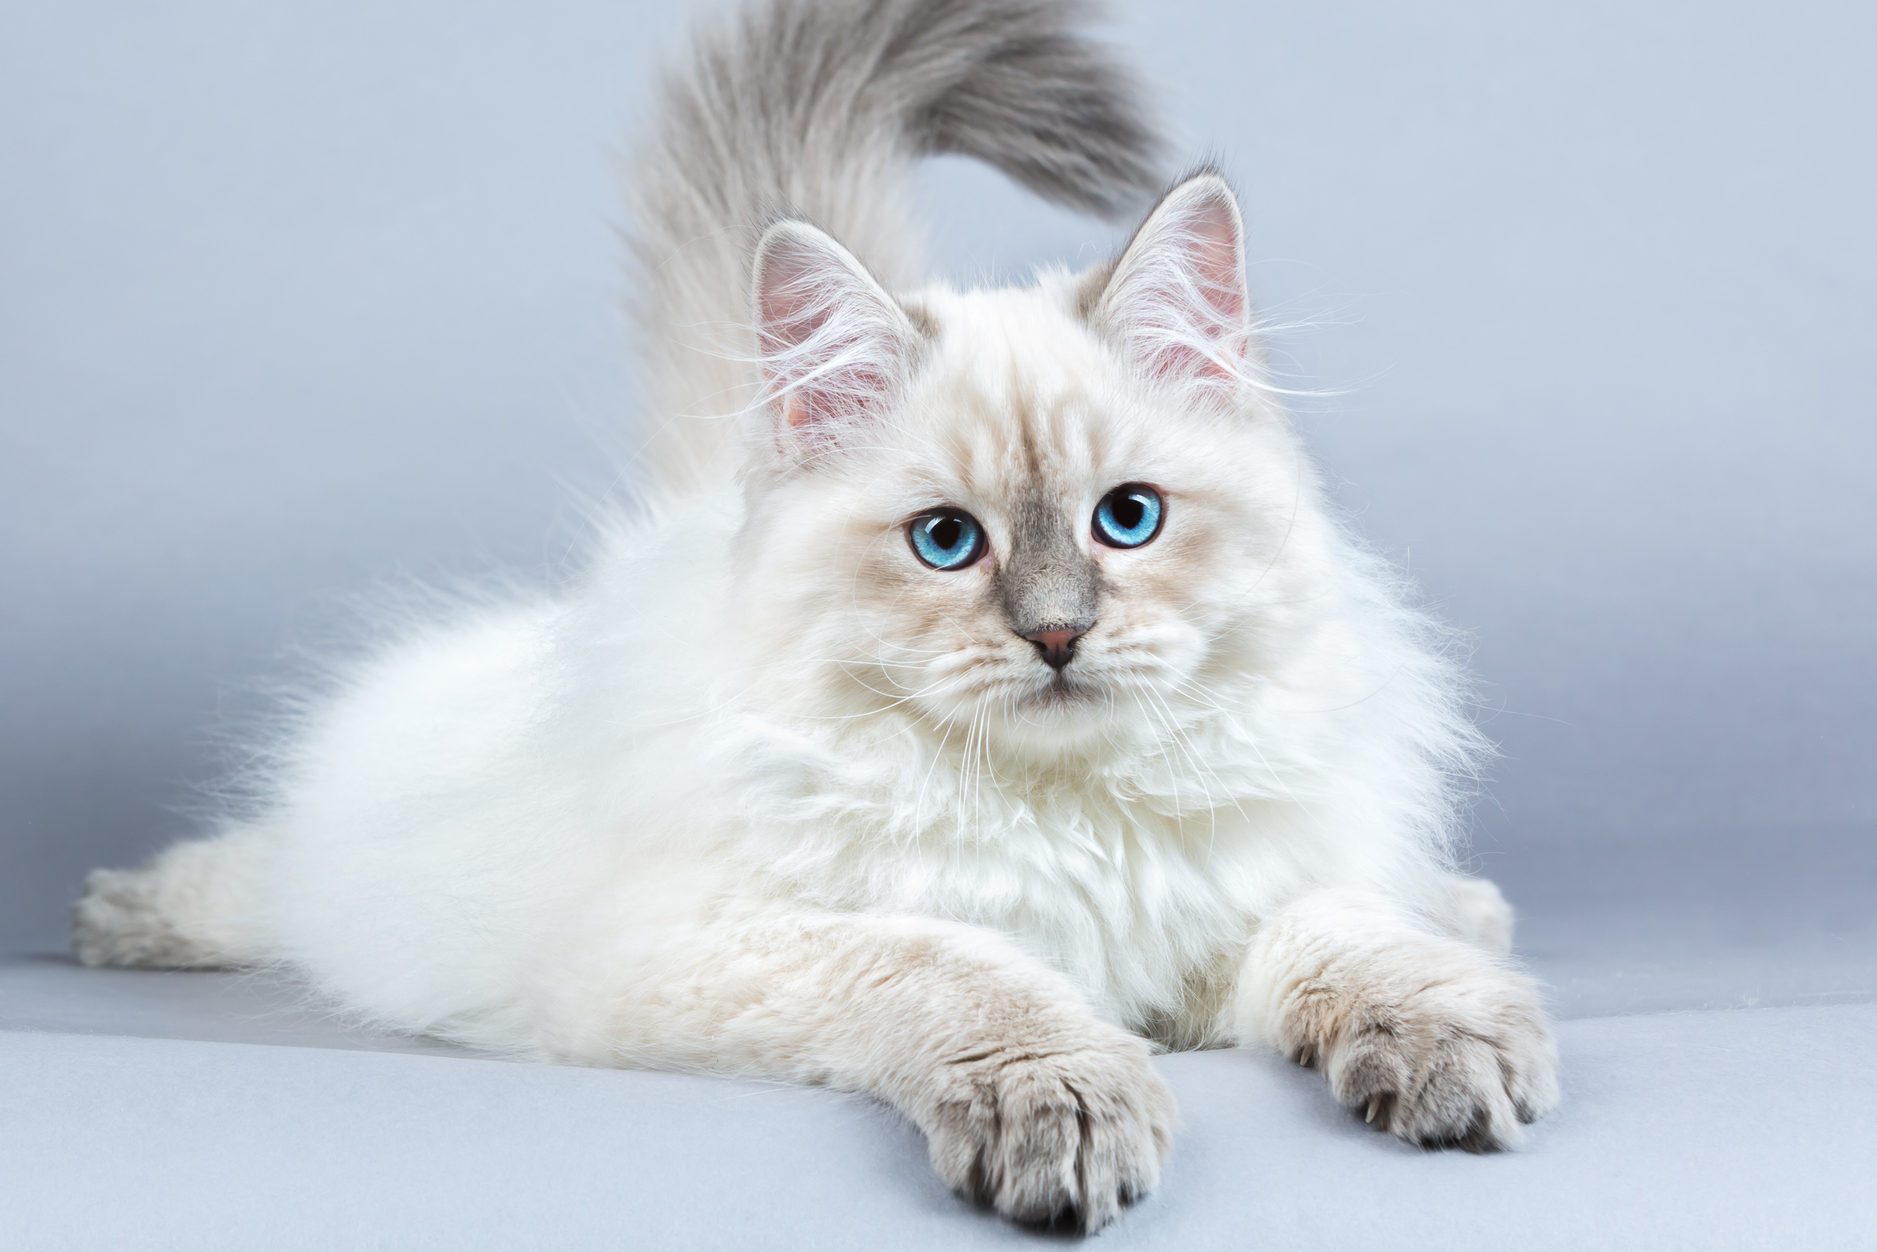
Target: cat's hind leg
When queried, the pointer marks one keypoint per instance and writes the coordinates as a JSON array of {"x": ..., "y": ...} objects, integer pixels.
[
  {"x": 1478, "y": 912},
  {"x": 193, "y": 907}
]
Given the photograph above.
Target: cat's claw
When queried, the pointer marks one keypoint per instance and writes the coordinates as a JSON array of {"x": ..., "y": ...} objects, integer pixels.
[
  {"x": 1065, "y": 1139},
  {"x": 1443, "y": 1070}
]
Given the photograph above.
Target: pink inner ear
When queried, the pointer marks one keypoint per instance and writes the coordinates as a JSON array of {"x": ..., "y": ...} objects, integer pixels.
[
  {"x": 828, "y": 336},
  {"x": 1216, "y": 262},
  {"x": 1182, "y": 300}
]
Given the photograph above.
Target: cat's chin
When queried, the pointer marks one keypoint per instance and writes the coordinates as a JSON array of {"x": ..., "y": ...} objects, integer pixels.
[{"x": 1060, "y": 715}]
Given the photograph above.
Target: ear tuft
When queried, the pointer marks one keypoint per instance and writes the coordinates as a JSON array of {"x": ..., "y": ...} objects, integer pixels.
[
  {"x": 1176, "y": 300},
  {"x": 835, "y": 346}
]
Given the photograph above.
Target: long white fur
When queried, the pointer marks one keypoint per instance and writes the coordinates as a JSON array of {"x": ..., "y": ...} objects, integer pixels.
[{"x": 758, "y": 793}]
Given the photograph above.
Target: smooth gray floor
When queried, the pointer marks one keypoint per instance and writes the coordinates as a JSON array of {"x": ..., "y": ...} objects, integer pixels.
[
  {"x": 1721, "y": 1092},
  {"x": 1711, "y": 1130}
]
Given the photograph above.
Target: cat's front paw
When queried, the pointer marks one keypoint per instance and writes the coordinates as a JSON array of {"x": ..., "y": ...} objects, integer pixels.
[
  {"x": 1464, "y": 1059},
  {"x": 1063, "y": 1138}
]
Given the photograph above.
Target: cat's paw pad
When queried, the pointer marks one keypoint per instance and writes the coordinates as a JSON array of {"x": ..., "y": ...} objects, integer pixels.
[
  {"x": 1467, "y": 1063},
  {"x": 1065, "y": 1139}
]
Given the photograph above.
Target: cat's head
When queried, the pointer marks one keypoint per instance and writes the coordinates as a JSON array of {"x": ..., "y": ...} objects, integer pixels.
[{"x": 1054, "y": 513}]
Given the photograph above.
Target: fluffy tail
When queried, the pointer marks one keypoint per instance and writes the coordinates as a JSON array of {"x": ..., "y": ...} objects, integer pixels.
[{"x": 816, "y": 108}]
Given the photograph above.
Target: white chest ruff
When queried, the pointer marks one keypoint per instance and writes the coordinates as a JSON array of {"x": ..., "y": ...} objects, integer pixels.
[{"x": 1132, "y": 904}]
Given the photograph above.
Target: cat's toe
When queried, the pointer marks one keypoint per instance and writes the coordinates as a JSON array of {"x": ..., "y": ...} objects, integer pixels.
[
  {"x": 1454, "y": 1067},
  {"x": 1063, "y": 1140}
]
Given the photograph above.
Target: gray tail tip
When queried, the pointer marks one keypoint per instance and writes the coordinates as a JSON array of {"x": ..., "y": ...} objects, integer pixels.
[{"x": 1061, "y": 113}]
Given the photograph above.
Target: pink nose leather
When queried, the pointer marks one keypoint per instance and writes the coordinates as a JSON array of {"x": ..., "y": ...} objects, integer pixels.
[{"x": 1056, "y": 646}]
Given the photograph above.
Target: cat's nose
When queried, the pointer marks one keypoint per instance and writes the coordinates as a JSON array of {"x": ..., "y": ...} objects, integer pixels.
[{"x": 1057, "y": 644}]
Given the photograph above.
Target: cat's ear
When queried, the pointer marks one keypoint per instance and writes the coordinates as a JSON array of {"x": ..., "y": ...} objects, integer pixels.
[
  {"x": 836, "y": 348},
  {"x": 1175, "y": 301}
]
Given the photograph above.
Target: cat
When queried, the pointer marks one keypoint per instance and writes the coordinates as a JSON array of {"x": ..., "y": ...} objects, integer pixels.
[{"x": 982, "y": 693}]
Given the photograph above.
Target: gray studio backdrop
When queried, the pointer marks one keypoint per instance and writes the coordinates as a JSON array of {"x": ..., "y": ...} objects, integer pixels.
[{"x": 302, "y": 300}]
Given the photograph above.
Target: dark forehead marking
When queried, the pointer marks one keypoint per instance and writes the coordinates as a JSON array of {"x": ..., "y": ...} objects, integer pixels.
[
  {"x": 1044, "y": 430},
  {"x": 954, "y": 439},
  {"x": 1023, "y": 406}
]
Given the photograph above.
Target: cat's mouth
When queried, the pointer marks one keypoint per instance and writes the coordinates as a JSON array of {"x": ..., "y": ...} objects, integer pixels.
[{"x": 1063, "y": 691}]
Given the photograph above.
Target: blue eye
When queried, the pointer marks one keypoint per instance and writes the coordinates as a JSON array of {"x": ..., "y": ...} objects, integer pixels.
[
  {"x": 1129, "y": 516},
  {"x": 946, "y": 538}
]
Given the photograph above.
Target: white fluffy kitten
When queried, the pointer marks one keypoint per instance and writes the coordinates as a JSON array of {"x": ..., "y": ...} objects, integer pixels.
[{"x": 1017, "y": 702}]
